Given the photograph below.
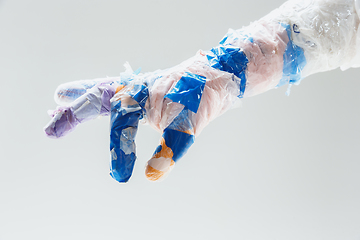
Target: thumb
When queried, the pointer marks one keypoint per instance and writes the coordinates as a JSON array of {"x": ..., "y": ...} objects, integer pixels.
[{"x": 175, "y": 142}]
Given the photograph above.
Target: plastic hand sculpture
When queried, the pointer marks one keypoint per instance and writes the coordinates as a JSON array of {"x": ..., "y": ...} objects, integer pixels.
[{"x": 298, "y": 39}]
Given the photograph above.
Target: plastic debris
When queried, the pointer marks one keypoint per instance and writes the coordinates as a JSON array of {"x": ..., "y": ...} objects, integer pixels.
[{"x": 296, "y": 40}]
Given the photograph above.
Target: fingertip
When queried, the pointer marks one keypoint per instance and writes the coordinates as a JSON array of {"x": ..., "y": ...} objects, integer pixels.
[
  {"x": 153, "y": 174},
  {"x": 157, "y": 169},
  {"x": 62, "y": 122},
  {"x": 115, "y": 175}
]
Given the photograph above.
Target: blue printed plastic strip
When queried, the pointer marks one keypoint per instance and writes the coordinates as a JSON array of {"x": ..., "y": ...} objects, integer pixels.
[
  {"x": 124, "y": 123},
  {"x": 230, "y": 59},
  {"x": 294, "y": 61},
  {"x": 178, "y": 142},
  {"x": 176, "y": 135},
  {"x": 188, "y": 91},
  {"x": 140, "y": 93}
]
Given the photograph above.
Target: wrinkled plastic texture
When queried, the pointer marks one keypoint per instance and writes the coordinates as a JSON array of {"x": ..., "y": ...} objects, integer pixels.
[
  {"x": 297, "y": 39},
  {"x": 93, "y": 103},
  {"x": 124, "y": 123},
  {"x": 188, "y": 91},
  {"x": 327, "y": 31}
]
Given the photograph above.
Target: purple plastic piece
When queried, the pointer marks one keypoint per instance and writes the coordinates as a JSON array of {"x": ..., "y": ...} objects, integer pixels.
[{"x": 94, "y": 103}]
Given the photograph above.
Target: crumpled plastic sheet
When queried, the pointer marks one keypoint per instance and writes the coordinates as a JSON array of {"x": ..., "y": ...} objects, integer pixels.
[{"x": 296, "y": 40}]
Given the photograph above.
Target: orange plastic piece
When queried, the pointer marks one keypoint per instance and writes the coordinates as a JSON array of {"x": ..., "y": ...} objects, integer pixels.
[
  {"x": 153, "y": 174},
  {"x": 119, "y": 88},
  {"x": 165, "y": 152}
]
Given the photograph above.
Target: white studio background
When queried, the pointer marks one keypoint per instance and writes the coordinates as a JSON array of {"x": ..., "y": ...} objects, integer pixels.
[{"x": 276, "y": 168}]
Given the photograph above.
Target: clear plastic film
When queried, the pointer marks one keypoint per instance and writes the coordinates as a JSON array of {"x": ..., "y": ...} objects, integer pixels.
[
  {"x": 298, "y": 39},
  {"x": 326, "y": 30},
  {"x": 93, "y": 103}
]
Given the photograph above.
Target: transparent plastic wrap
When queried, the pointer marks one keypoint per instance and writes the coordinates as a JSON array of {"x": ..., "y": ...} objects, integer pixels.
[
  {"x": 327, "y": 31},
  {"x": 298, "y": 39}
]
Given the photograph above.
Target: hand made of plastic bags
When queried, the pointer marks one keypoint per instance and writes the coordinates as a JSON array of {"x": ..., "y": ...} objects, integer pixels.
[
  {"x": 279, "y": 49},
  {"x": 179, "y": 102}
]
